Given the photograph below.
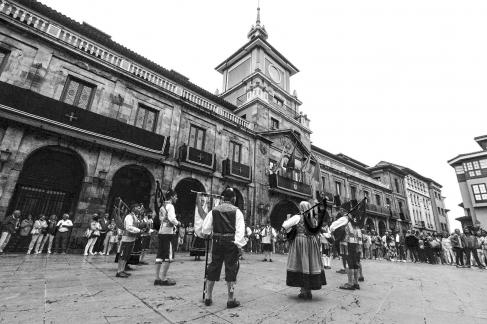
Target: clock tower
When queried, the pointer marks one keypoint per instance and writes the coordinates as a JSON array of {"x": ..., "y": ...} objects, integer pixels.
[{"x": 256, "y": 78}]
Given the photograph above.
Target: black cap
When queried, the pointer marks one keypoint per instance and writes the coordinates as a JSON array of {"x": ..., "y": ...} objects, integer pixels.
[{"x": 228, "y": 194}]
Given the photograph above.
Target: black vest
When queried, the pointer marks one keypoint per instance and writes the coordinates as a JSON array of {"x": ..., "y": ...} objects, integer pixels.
[{"x": 224, "y": 219}]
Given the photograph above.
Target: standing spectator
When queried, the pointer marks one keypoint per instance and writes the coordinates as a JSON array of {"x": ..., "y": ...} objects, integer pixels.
[
  {"x": 92, "y": 233},
  {"x": 400, "y": 245},
  {"x": 421, "y": 253},
  {"x": 435, "y": 244},
  {"x": 112, "y": 237},
  {"x": 471, "y": 248},
  {"x": 373, "y": 245},
  {"x": 189, "y": 236},
  {"x": 181, "y": 236},
  {"x": 38, "y": 232},
  {"x": 51, "y": 232},
  {"x": 457, "y": 246},
  {"x": 63, "y": 227},
  {"x": 484, "y": 247},
  {"x": 99, "y": 245},
  {"x": 9, "y": 226},
  {"x": 447, "y": 249},
  {"x": 268, "y": 234},
  {"x": 145, "y": 235},
  {"x": 367, "y": 245},
  {"x": 248, "y": 235},
  {"x": 478, "y": 245},
  {"x": 428, "y": 251},
  {"x": 25, "y": 229}
]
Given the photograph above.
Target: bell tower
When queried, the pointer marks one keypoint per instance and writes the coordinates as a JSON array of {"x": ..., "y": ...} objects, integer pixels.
[{"x": 256, "y": 78}]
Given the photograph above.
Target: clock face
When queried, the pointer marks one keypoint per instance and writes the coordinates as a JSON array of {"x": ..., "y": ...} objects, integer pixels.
[{"x": 274, "y": 73}]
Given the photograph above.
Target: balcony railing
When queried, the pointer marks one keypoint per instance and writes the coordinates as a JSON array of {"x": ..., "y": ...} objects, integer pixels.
[
  {"x": 236, "y": 170},
  {"x": 379, "y": 210},
  {"x": 199, "y": 158},
  {"x": 289, "y": 186},
  {"x": 32, "y": 105}
]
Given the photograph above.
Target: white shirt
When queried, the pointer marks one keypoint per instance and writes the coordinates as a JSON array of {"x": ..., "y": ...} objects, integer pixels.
[
  {"x": 129, "y": 227},
  {"x": 267, "y": 233},
  {"x": 291, "y": 222},
  {"x": 240, "y": 239},
  {"x": 167, "y": 215},
  {"x": 249, "y": 231},
  {"x": 63, "y": 225}
]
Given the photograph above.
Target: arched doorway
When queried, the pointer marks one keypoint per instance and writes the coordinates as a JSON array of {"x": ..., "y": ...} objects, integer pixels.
[
  {"x": 133, "y": 184},
  {"x": 280, "y": 212},
  {"x": 187, "y": 199},
  {"x": 369, "y": 225},
  {"x": 49, "y": 183},
  {"x": 382, "y": 228}
]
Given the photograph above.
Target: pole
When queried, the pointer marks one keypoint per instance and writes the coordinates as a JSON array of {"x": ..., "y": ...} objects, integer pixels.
[{"x": 206, "y": 267}]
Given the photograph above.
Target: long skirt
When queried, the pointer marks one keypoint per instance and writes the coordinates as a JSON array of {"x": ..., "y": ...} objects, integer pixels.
[
  {"x": 304, "y": 265},
  {"x": 198, "y": 248}
]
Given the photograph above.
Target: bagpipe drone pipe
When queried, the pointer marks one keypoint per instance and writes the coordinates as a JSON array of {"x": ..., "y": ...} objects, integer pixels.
[{"x": 314, "y": 217}]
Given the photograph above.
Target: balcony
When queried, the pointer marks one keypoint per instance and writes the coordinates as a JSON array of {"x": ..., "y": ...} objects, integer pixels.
[
  {"x": 378, "y": 210},
  {"x": 236, "y": 171},
  {"x": 196, "y": 160},
  {"x": 289, "y": 186},
  {"x": 33, "y": 108}
]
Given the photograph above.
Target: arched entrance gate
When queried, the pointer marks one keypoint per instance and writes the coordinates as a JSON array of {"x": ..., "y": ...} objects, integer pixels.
[
  {"x": 133, "y": 184},
  {"x": 281, "y": 210},
  {"x": 185, "y": 206},
  {"x": 49, "y": 183}
]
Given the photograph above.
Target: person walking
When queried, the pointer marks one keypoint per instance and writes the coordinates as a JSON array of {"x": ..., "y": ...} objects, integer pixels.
[
  {"x": 268, "y": 234},
  {"x": 304, "y": 264},
  {"x": 64, "y": 225},
  {"x": 9, "y": 226},
  {"x": 51, "y": 233},
  {"x": 38, "y": 232},
  {"x": 129, "y": 235},
  {"x": 226, "y": 224},
  {"x": 92, "y": 233},
  {"x": 164, "y": 257}
]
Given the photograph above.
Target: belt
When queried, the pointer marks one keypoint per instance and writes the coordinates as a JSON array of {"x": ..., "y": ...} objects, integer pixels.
[{"x": 223, "y": 237}]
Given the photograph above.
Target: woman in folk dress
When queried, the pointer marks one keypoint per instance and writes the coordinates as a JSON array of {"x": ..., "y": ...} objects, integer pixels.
[{"x": 304, "y": 264}]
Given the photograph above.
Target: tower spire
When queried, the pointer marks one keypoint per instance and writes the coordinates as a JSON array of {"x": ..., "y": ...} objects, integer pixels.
[{"x": 257, "y": 30}]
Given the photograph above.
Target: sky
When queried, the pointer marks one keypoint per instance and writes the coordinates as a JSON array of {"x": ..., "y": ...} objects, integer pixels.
[{"x": 399, "y": 81}]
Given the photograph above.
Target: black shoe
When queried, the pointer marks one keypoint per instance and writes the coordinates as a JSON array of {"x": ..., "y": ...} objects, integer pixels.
[
  {"x": 270, "y": 260},
  {"x": 265, "y": 260},
  {"x": 128, "y": 274},
  {"x": 342, "y": 271},
  {"x": 121, "y": 275},
  {"x": 127, "y": 268},
  {"x": 167, "y": 282},
  {"x": 347, "y": 287},
  {"x": 356, "y": 286},
  {"x": 208, "y": 302},
  {"x": 361, "y": 279},
  {"x": 232, "y": 304}
]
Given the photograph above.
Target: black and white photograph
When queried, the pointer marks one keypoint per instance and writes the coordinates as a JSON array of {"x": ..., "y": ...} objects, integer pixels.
[{"x": 231, "y": 161}]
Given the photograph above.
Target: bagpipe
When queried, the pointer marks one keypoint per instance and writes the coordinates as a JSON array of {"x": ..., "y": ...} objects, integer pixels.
[
  {"x": 355, "y": 214},
  {"x": 120, "y": 210},
  {"x": 312, "y": 228}
]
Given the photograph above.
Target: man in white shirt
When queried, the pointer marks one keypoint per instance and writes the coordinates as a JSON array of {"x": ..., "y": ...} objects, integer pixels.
[
  {"x": 128, "y": 239},
  {"x": 167, "y": 215},
  {"x": 268, "y": 234},
  {"x": 226, "y": 223},
  {"x": 63, "y": 227}
]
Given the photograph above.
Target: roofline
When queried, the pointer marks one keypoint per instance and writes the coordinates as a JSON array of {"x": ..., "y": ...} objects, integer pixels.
[
  {"x": 247, "y": 45},
  {"x": 101, "y": 38},
  {"x": 465, "y": 156},
  {"x": 334, "y": 156},
  {"x": 407, "y": 170}
]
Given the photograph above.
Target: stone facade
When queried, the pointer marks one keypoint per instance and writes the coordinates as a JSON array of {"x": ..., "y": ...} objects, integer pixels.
[{"x": 69, "y": 93}]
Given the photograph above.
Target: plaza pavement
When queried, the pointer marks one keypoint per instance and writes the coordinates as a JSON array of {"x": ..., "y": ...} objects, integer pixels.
[{"x": 76, "y": 289}]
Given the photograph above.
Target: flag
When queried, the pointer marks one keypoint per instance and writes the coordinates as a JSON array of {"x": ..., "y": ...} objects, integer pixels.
[
  {"x": 200, "y": 211},
  {"x": 305, "y": 164},
  {"x": 291, "y": 163},
  {"x": 280, "y": 159}
]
